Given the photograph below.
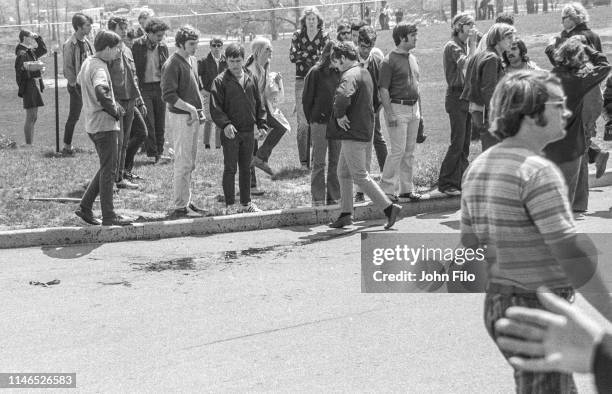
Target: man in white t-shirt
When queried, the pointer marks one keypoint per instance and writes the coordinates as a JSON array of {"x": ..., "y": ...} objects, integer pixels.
[{"x": 102, "y": 114}]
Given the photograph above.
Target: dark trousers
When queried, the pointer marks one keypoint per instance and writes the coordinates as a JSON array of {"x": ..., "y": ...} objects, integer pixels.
[
  {"x": 253, "y": 176},
  {"x": 380, "y": 145},
  {"x": 156, "y": 118},
  {"x": 138, "y": 134},
  {"x": 237, "y": 154},
  {"x": 124, "y": 135},
  {"x": 102, "y": 183},
  {"x": 593, "y": 152},
  {"x": 276, "y": 132},
  {"x": 456, "y": 160},
  {"x": 76, "y": 104}
]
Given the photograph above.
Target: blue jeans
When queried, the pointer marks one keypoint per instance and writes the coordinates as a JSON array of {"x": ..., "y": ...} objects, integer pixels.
[
  {"x": 124, "y": 135},
  {"x": 102, "y": 183},
  {"x": 76, "y": 105},
  {"x": 456, "y": 160},
  {"x": 156, "y": 118},
  {"x": 237, "y": 154},
  {"x": 322, "y": 190}
]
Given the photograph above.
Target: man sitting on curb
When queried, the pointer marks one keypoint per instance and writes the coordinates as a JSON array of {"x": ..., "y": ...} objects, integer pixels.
[{"x": 354, "y": 114}]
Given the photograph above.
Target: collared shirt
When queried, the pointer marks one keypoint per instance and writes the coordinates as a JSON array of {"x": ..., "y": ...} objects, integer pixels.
[
  {"x": 94, "y": 72},
  {"x": 305, "y": 52},
  {"x": 180, "y": 81},
  {"x": 153, "y": 68},
  {"x": 399, "y": 73},
  {"x": 123, "y": 76}
]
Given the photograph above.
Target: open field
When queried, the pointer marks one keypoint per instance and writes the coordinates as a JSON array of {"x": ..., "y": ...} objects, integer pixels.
[{"x": 29, "y": 172}]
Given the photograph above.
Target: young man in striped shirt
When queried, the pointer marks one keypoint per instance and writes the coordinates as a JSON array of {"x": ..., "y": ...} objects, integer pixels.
[{"x": 514, "y": 202}]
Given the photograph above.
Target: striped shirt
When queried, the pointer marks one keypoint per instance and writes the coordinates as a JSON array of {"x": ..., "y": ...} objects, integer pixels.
[{"x": 515, "y": 202}]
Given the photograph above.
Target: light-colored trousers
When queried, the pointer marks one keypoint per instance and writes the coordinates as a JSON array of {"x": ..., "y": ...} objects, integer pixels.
[
  {"x": 398, "y": 169},
  {"x": 185, "y": 139},
  {"x": 352, "y": 168}
]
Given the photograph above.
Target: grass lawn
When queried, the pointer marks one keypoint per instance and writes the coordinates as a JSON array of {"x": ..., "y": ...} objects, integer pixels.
[{"x": 36, "y": 172}]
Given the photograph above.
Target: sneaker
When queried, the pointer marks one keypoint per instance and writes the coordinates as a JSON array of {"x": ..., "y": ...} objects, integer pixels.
[
  {"x": 392, "y": 218},
  {"x": 342, "y": 221},
  {"x": 197, "y": 209},
  {"x": 412, "y": 196},
  {"x": 359, "y": 197},
  {"x": 88, "y": 217},
  {"x": 262, "y": 165},
  {"x": 452, "y": 192},
  {"x": 601, "y": 161},
  {"x": 131, "y": 176},
  {"x": 249, "y": 208},
  {"x": 230, "y": 210},
  {"x": 125, "y": 184},
  {"x": 68, "y": 151},
  {"x": 118, "y": 220},
  {"x": 185, "y": 213},
  {"x": 257, "y": 192},
  {"x": 331, "y": 202},
  {"x": 161, "y": 160}
]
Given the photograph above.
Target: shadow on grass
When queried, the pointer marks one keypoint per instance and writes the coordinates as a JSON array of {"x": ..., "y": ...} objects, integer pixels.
[
  {"x": 287, "y": 173},
  {"x": 51, "y": 154}
]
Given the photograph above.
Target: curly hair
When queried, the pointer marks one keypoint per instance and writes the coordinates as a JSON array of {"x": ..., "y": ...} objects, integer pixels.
[
  {"x": 184, "y": 34},
  {"x": 571, "y": 54},
  {"x": 311, "y": 11},
  {"x": 522, "y": 47},
  {"x": 522, "y": 93},
  {"x": 576, "y": 12},
  {"x": 156, "y": 25}
]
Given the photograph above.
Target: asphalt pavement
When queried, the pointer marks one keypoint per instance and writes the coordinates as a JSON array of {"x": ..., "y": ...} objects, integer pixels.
[{"x": 274, "y": 310}]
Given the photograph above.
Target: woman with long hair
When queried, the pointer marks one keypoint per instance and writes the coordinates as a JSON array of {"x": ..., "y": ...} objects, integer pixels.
[{"x": 319, "y": 88}]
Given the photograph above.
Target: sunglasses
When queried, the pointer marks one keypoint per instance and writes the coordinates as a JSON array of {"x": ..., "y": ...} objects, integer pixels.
[{"x": 216, "y": 45}]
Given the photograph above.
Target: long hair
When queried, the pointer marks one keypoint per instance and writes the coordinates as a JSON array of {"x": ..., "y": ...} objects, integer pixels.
[
  {"x": 311, "y": 11},
  {"x": 576, "y": 12},
  {"x": 258, "y": 47},
  {"x": 522, "y": 47},
  {"x": 517, "y": 95},
  {"x": 325, "y": 59},
  {"x": 498, "y": 32},
  {"x": 571, "y": 54}
]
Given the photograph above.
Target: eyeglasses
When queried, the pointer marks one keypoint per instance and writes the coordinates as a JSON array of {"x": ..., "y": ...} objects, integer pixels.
[
  {"x": 561, "y": 103},
  {"x": 216, "y": 45},
  {"x": 345, "y": 33}
]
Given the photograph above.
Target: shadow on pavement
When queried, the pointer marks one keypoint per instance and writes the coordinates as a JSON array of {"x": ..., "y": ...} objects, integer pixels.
[{"x": 69, "y": 252}]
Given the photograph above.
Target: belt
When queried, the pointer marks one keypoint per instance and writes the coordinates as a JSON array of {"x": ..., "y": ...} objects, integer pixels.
[
  {"x": 404, "y": 102},
  {"x": 509, "y": 290}
]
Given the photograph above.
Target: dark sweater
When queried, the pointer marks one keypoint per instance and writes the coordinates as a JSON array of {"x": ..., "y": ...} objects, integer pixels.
[
  {"x": 25, "y": 54},
  {"x": 581, "y": 29},
  {"x": 179, "y": 81},
  {"x": 230, "y": 103},
  {"x": 208, "y": 70},
  {"x": 354, "y": 99},
  {"x": 602, "y": 365},
  {"x": 318, "y": 96},
  {"x": 483, "y": 72},
  {"x": 576, "y": 84}
]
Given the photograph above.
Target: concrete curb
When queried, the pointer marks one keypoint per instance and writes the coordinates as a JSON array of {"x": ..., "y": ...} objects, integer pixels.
[{"x": 224, "y": 224}]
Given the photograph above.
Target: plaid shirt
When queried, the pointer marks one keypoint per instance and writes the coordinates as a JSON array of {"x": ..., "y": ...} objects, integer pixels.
[{"x": 304, "y": 52}]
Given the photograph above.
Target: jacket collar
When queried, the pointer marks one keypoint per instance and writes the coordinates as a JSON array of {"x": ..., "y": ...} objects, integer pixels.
[
  {"x": 227, "y": 75},
  {"x": 211, "y": 57},
  {"x": 74, "y": 39}
]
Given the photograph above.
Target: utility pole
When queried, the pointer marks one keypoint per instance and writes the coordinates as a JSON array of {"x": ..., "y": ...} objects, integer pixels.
[
  {"x": 18, "y": 15},
  {"x": 453, "y": 8},
  {"x": 361, "y": 10}
]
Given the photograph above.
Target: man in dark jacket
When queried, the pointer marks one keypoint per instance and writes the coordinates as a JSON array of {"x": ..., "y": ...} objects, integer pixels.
[
  {"x": 354, "y": 115},
  {"x": 208, "y": 69},
  {"x": 483, "y": 72},
  {"x": 577, "y": 79},
  {"x": 237, "y": 108},
  {"x": 574, "y": 18},
  {"x": 150, "y": 53}
]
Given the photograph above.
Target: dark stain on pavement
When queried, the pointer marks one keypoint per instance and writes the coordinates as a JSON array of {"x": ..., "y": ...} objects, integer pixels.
[
  {"x": 180, "y": 264},
  {"x": 120, "y": 283}
]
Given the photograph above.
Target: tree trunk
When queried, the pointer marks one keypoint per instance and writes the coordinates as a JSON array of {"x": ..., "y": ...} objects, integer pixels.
[
  {"x": 462, "y": 6},
  {"x": 298, "y": 13},
  {"x": 18, "y": 14},
  {"x": 544, "y": 5},
  {"x": 273, "y": 31},
  {"x": 516, "y": 11}
]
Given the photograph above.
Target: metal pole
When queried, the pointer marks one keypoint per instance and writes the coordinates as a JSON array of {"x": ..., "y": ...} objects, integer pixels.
[
  {"x": 57, "y": 149},
  {"x": 308, "y": 149},
  {"x": 361, "y": 10}
]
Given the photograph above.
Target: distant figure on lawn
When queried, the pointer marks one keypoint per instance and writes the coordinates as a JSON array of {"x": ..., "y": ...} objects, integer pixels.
[
  {"x": 306, "y": 47},
  {"x": 102, "y": 115},
  {"x": 75, "y": 50},
  {"x": 236, "y": 107},
  {"x": 208, "y": 69},
  {"x": 28, "y": 73}
]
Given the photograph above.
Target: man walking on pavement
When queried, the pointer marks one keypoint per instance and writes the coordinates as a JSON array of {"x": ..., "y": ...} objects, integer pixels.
[
  {"x": 76, "y": 49},
  {"x": 180, "y": 88},
  {"x": 354, "y": 114}
]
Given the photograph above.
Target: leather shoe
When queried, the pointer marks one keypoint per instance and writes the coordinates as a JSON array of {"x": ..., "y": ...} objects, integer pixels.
[
  {"x": 118, "y": 220},
  {"x": 262, "y": 165},
  {"x": 341, "y": 222},
  {"x": 392, "y": 218},
  {"x": 197, "y": 209},
  {"x": 88, "y": 217}
]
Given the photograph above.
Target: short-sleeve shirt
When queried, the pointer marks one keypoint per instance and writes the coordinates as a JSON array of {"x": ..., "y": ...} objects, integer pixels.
[
  {"x": 94, "y": 72},
  {"x": 515, "y": 202},
  {"x": 399, "y": 73}
]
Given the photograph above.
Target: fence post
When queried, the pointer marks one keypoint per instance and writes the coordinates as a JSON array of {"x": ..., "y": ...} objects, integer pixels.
[{"x": 57, "y": 149}]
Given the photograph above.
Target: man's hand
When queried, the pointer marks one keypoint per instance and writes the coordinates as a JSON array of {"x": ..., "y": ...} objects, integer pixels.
[
  {"x": 193, "y": 115},
  {"x": 261, "y": 134},
  {"x": 230, "y": 131},
  {"x": 563, "y": 340},
  {"x": 391, "y": 119},
  {"x": 120, "y": 110},
  {"x": 141, "y": 107},
  {"x": 344, "y": 123}
]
